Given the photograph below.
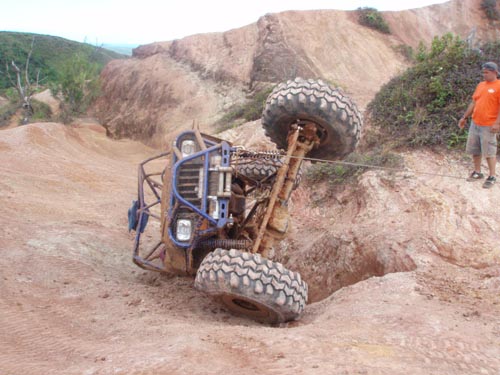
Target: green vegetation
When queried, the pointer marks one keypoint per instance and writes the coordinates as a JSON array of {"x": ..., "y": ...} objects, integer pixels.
[
  {"x": 41, "y": 111},
  {"x": 78, "y": 83},
  {"x": 490, "y": 9},
  {"x": 372, "y": 18},
  {"x": 251, "y": 110},
  {"x": 69, "y": 68},
  {"x": 406, "y": 51},
  {"x": 422, "y": 106},
  {"x": 49, "y": 54}
]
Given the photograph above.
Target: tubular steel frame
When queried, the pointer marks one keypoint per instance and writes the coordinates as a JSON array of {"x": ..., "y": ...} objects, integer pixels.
[{"x": 144, "y": 213}]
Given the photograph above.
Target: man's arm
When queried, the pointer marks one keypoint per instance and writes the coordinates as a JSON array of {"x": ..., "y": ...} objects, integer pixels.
[
  {"x": 468, "y": 113},
  {"x": 495, "y": 128}
]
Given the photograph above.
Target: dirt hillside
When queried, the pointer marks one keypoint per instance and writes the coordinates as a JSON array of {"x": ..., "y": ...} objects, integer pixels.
[
  {"x": 403, "y": 272},
  {"x": 168, "y": 85}
]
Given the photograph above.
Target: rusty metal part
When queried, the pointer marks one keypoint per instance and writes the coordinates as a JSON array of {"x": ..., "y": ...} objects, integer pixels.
[
  {"x": 146, "y": 261},
  {"x": 199, "y": 139},
  {"x": 301, "y": 139},
  {"x": 177, "y": 152}
]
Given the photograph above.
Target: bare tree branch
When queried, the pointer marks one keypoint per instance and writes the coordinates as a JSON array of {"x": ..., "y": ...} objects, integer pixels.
[
  {"x": 19, "y": 85},
  {"x": 8, "y": 75},
  {"x": 26, "y": 70},
  {"x": 23, "y": 88}
]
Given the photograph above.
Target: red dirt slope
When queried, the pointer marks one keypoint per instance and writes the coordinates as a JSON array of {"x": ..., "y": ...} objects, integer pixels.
[{"x": 72, "y": 302}]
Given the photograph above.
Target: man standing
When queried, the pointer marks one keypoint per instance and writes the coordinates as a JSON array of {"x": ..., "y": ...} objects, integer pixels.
[{"x": 485, "y": 124}]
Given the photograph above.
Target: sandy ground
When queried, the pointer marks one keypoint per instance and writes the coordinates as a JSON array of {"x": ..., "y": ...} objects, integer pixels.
[{"x": 72, "y": 302}]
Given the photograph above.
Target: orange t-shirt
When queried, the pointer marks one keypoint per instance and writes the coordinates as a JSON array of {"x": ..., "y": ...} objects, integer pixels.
[{"x": 487, "y": 103}]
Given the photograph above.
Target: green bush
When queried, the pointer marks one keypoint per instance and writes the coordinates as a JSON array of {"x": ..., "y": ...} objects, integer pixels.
[
  {"x": 423, "y": 105},
  {"x": 78, "y": 84},
  {"x": 41, "y": 111},
  {"x": 490, "y": 9},
  {"x": 372, "y": 18},
  {"x": 251, "y": 110},
  {"x": 406, "y": 51}
]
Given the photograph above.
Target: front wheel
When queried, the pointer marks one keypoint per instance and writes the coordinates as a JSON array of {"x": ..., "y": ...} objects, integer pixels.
[{"x": 251, "y": 285}]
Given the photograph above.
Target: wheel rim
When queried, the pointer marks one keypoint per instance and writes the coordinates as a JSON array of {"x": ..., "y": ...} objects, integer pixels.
[
  {"x": 245, "y": 304},
  {"x": 249, "y": 307}
]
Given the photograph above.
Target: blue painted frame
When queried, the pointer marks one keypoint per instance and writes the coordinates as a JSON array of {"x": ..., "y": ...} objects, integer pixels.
[{"x": 225, "y": 151}]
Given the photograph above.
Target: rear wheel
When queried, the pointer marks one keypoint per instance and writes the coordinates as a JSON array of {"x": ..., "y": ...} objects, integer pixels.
[
  {"x": 259, "y": 170},
  {"x": 337, "y": 118},
  {"x": 252, "y": 286}
]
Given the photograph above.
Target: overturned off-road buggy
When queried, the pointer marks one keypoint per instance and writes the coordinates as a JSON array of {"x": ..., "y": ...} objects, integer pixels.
[{"x": 222, "y": 209}]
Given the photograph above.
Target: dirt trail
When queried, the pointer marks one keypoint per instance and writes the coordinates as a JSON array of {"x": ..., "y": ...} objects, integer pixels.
[{"x": 72, "y": 302}]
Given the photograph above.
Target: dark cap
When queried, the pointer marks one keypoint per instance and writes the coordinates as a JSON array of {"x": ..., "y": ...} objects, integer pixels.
[{"x": 490, "y": 66}]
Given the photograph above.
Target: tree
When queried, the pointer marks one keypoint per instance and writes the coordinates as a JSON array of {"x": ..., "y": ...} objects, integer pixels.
[{"x": 22, "y": 83}]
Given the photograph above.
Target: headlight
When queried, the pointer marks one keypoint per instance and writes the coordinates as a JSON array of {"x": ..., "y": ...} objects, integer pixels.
[
  {"x": 213, "y": 207},
  {"x": 183, "y": 231},
  {"x": 188, "y": 147}
]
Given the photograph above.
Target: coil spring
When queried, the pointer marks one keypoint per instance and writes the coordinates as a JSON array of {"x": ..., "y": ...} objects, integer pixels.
[
  {"x": 271, "y": 154},
  {"x": 225, "y": 244}
]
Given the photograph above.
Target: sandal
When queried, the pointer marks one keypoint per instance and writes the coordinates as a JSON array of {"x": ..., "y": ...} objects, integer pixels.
[
  {"x": 475, "y": 176},
  {"x": 490, "y": 181}
]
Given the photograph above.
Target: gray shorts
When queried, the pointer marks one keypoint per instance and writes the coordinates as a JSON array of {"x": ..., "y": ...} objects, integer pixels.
[{"x": 481, "y": 141}]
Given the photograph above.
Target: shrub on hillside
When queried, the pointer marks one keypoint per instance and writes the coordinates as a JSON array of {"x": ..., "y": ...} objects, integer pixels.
[
  {"x": 251, "y": 110},
  {"x": 78, "y": 84},
  {"x": 372, "y": 18},
  {"x": 406, "y": 51},
  {"x": 490, "y": 9},
  {"x": 422, "y": 106},
  {"x": 41, "y": 111}
]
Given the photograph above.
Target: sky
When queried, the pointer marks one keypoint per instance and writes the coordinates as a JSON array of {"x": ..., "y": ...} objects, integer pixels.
[{"x": 145, "y": 21}]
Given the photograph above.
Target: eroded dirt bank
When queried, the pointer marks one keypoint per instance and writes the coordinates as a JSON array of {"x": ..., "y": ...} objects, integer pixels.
[
  {"x": 167, "y": 85},
  {"x": 72, "y": 302}
]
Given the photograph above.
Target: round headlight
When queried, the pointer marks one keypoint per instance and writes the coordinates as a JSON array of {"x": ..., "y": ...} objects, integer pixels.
[{"x": 188, "y": 147}]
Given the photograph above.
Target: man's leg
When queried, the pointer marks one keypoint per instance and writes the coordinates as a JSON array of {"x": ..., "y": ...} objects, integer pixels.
[
  {"x": 473, "y": 147},
  {"x": 489, "y": 146},
  {"x": 477, "y": 162},
  {"x": 492, "y": 161}
]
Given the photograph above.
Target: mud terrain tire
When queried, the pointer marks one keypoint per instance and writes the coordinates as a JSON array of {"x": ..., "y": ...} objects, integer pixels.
[
  {"x": 334, "y": 113},
  {"x": 251, "y": 285},
  {"x": 260, "y": 169}
]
